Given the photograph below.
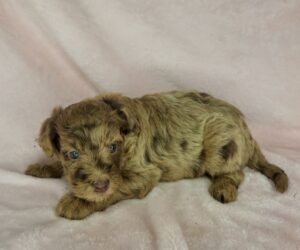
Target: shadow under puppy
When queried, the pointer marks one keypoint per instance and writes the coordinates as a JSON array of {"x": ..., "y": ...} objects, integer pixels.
[{"x": 112, "y": 148}]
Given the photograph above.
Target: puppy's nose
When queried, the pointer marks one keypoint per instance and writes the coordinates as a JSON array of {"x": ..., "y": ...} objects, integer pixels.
[{"x": 101, "y": 186}]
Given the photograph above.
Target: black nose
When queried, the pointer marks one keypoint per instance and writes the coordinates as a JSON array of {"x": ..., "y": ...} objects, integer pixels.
[{"x": 101, "y": 186}]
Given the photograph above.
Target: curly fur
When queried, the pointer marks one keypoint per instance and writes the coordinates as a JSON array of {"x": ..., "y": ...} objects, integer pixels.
[{"x": 159, "y": 137}]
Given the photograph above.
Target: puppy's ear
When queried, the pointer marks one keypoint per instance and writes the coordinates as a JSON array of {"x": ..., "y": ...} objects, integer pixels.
[
  {"x": 49, "y": 138},
  {"x": 127, "y": 121}
]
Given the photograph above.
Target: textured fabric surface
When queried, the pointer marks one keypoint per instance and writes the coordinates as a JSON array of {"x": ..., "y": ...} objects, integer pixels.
[{"x": 58, "y": 52}]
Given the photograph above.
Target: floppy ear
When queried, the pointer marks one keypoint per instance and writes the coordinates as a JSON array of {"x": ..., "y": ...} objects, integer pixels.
[
  {"x": 128, "y": 123},
  {"x": 49, "y": 138}
]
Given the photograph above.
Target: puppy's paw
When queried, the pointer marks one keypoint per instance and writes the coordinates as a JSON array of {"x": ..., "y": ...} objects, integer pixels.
[
  {"x": 223, "y": 191},
  {"x": 74, "y": 208},
  {"x": 54, "y": 170},
  {"x": 36, "y": 170}
]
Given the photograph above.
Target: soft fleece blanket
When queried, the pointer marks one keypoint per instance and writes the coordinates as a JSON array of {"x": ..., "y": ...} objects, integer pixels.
[{"x": 58, "y": 52}]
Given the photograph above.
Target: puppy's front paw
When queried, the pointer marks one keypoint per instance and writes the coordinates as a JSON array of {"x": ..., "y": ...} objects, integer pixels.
[
  {"x": 54, "y": 170},
  {"x": 223, "y": 191},
  {"x": 35, "y": 170},
  {"x": 74, "y": 208}
]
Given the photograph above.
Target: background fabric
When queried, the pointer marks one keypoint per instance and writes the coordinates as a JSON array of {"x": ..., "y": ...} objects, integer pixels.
[{"x": 59, "y": 52}]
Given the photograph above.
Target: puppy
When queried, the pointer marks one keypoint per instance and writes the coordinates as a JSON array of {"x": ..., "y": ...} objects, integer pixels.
[{"x": 111, "y": 148}]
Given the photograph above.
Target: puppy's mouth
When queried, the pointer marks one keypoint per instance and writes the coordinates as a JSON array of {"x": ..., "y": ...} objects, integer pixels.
[{"x": 101, "y": 186}]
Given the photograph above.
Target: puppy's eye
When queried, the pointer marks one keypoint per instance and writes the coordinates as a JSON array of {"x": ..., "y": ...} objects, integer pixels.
[
  {"x": 73, "y": 155},
  {"x": 112, "y": 148}
]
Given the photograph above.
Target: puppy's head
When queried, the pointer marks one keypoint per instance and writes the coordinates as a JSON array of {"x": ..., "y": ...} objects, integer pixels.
[{"x": 88, "y": 138}]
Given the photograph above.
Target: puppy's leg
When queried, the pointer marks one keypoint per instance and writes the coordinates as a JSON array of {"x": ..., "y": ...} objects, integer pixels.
[
  {"x": 223, "y": 157},
  {"x": 54, "y": 170},
  {"x": 74, "y": 208},
  {"x": 136, "y": 186},
  {"x": 224, "y": 187}
]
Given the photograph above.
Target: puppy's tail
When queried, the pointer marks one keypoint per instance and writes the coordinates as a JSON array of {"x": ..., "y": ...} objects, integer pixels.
[{"x": 276, "y": 174}]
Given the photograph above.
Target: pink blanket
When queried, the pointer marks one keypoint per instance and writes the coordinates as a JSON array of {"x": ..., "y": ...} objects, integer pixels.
[{"x": 58, "y": 52}]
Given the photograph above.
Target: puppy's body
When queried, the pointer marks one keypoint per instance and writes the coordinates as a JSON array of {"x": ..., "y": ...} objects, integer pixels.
[
  {"x": 127, "y": 146},
  {"x": 185, "y": 130}
]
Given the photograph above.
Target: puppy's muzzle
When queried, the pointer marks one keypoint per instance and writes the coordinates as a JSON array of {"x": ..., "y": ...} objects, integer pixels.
[{"x": 101, "y": 186}]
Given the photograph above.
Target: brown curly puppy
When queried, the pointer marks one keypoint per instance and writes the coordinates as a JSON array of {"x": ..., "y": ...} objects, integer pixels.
[{"x": 112, "y": 148}]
